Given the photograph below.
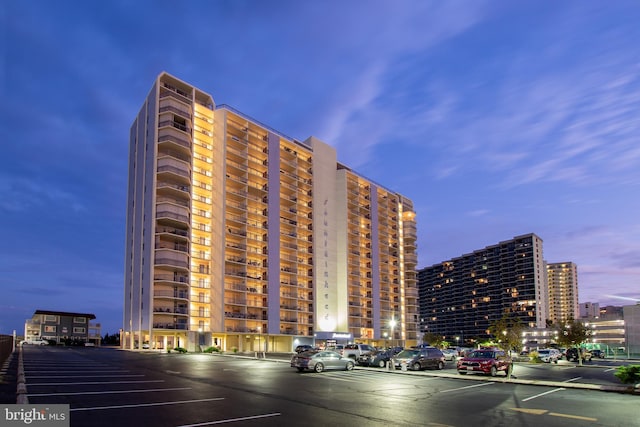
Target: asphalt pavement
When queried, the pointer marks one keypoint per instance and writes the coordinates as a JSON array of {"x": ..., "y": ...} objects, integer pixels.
[{"x": 12, "y": 392}]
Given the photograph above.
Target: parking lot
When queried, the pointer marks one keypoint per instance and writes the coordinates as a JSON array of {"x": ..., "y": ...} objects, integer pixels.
[{"x": 112, "y": 387}]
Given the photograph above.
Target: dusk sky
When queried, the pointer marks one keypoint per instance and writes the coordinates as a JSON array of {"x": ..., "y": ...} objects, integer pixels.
[{"x": 497, "y": 118}]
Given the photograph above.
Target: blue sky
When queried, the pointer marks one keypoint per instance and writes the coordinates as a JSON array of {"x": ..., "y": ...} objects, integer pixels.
[{"x": 497, "y": 118}]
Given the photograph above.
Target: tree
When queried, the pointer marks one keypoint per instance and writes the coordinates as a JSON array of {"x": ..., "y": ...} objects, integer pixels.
[
  {"x": 507, "y": 332},
  {"x": 572, "y": 333},
  {"x": 434, "y": 340}
]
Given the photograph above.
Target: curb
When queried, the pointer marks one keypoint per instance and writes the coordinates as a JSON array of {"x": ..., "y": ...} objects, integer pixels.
[{"x": 21, "y": 392}]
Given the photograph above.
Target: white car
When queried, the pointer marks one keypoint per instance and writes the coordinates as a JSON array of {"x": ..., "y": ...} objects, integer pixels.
[
  {"x": 549, "y": 355},
  {"x": 450, "y": 354},
  {"x": 35, "y": 341}
]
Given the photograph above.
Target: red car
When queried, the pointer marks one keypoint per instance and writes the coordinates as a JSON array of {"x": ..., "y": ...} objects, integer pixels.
[{"x": 486, "y": 361}]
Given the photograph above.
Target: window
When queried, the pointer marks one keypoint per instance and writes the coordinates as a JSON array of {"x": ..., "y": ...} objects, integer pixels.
[
  {"x": 77, "y": 330},
  {"x": 79, "y": 320},
  {"x": 50, "y": 329},
  {"x": 50, "y": 318}
]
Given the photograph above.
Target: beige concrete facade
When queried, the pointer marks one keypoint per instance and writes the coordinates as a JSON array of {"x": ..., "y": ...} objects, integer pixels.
[{"x": 243, "y": 238}]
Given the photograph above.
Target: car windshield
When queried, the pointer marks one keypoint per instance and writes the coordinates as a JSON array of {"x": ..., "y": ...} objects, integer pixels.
[
  {"x": 482, "y": 354},
  {"x": 544, "y": 352},
  {"x": 408, "y": 353}
]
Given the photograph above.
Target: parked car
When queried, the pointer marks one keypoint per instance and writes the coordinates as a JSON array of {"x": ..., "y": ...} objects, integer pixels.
[
  {"x": 35, "y": 341},
  {"x": 378, "y": 358},
  {"x": 354, "y": 351},
  {"x": 486, "y": 361},
  {"x": 319, "y": 361},
  {"x": 304, "y": 347},
  {"x": 450, "y": 354},
  {"x": 419, "y": 358},
  {"x": 549, "y": 355},
  {"x": 600, "y": 354},
  {"x": 572, "y": 354}
]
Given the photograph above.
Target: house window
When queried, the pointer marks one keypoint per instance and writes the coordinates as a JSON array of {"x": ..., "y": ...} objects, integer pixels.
[
  {"x": 50, "y": 329},
  {"x": 77, "y": 330},
  {"x": 50, "y": 318},
  {"x": 79, "y": 320}
]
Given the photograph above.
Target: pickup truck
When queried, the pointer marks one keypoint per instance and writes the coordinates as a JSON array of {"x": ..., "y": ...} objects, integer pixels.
[{"x": 354, "y": 351}]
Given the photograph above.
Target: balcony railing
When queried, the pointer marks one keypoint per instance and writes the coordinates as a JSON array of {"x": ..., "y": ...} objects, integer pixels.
[
  {"x": 175, "y": 139},
  {"x": 181, "y": 326}
]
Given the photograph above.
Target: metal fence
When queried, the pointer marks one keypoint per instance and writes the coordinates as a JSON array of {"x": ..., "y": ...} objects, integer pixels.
[{"x": 6, "y": 347}]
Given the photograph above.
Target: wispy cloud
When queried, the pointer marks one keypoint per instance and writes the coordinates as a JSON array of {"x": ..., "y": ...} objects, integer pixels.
[{"x": 20, "y": 195}]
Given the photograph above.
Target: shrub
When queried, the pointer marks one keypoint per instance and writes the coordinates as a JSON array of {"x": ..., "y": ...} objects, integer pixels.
[
  {"x": 235, "y": 349},
  {"x": 180, "y": 350},
  {"x": 534, "y": 357},
  {"x": 629, "y": 374},
  {"x": 212, "y": 350}
]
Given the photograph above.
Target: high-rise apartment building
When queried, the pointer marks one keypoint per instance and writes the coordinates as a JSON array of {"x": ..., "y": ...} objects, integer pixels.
[
  {"x": 563, "y": 291},
  {"x": 461, "y": 297},
  {"x": 241, "y": 237}
]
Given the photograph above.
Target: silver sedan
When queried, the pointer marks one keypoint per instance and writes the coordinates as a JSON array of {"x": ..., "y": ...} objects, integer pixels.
[{"x": 319, "y": 361}]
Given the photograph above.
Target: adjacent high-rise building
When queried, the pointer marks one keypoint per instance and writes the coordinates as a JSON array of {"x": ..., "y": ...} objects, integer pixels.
[
  {"x": 461, "y": 297},
  {"x": 563, "y": 291},
  {"x": 241, "y": 237}
]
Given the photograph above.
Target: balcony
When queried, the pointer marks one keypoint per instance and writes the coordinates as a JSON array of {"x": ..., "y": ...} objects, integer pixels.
[
  {"x": 174, "y": 139},
  {"x": 411, "y": 292},
  {"x": 174, "y": 168},
  {"x": 180, "y": 326},
  {"x": 411, "y": 259},
  {"x": 173, "y": 278},
  {"x": 173, "y": 109},
  {"x": 171, "y": 294},
  {"x": 176, "y": 189},
  {"x": 172, "y": 233},
  {"x": 172, "y": 213},
  {"x": 169, "y": 257}
]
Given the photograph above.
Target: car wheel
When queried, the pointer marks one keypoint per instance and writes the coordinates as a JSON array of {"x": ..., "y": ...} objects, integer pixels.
[
  {"x": 440, "y": 365},
  {"x": 416, "y": 366},
  {"x": 381, "y": 363},
  {"x": 300, "y": 369},
  {"x": 349, "y": 366},
  {"x": 494, "y": 371},
  {"x": 319, "y": 367}
]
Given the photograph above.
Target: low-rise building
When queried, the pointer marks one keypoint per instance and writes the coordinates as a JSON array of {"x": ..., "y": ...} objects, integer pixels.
[{"x": 63, "y": 327}]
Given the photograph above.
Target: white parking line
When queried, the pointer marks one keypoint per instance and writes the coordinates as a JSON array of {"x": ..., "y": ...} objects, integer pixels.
[
  {"x": 109, "y": 392},
  {"x": 572, "y": 379},
  {"x": 463, "y": 388},
  {"x": 140, "y": 405},
  {"x": 610, "y": 369},
  {"x": 232, "y": 420},
  {"x": 333, "y": 378},
  {"x": 542, "y": 394},
  {"x": 93, "y": 371},
  {"x": 96, "y": 382},
  {"x": 82, "y": 376}
]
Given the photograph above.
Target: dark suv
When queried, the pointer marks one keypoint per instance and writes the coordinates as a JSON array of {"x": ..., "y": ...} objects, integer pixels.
[
  {"x": 304, "y": 347},
  {"x": 487, "y": 361},
  {"x": 419, "y": 358}
]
